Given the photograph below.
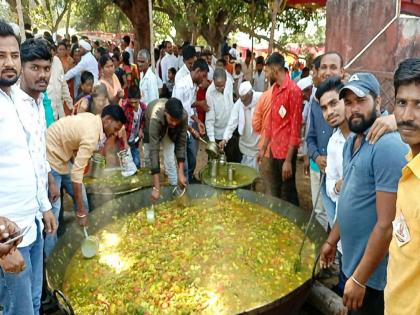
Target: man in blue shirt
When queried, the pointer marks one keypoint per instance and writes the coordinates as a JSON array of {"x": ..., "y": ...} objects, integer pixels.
[{"x": 366, "y": 206}]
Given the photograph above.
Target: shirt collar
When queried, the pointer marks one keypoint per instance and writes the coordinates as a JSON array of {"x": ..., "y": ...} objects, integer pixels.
[
  {"x": 284, "y": 84},
  {"x": 413, "y": 164},
  {"x": 27, "y": 97}
]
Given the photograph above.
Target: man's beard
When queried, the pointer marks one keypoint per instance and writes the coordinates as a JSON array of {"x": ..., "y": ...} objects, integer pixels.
[
  {"x": 8, "y": 82},
  {"x": 364, "y": 124}
]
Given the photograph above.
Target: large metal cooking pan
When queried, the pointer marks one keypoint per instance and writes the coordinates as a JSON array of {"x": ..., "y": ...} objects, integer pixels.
[
  {"x": 69, "y": 243},
  {"x": 113, "y": 185},
  {"x": 246, "y": 174}
]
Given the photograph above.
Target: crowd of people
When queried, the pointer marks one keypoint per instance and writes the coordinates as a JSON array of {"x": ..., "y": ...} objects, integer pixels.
[{"x": 64, "y": 102}]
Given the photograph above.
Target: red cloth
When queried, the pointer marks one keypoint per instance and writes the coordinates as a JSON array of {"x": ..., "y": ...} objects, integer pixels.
[
  {"x": 129, "y": 114},
  {"x": 285, "y": 131},
  {"x": 201, "y": 96}
]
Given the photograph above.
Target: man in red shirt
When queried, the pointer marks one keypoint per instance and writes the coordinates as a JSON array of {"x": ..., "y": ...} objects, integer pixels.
[{"x": 283, "y": 129}]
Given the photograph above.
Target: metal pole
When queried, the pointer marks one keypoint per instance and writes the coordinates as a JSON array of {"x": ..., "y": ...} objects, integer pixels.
[{"x": 152, "y": 41}]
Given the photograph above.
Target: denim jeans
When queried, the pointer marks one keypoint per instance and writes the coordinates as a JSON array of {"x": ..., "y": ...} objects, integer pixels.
[
  {"x": 191, "y": 160},
  {"x": 20, "y": 293},
  {"x": 65, "y": 181},
  {"x": 168, "y": 159},
  {"x": 320, "y": 212},
  {"x": 328, "y": 204},
  {"x": 135, "y": 153}
]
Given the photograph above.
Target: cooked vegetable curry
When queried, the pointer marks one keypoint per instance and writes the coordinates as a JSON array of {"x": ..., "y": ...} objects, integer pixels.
[{"x": 219, "y": 255}]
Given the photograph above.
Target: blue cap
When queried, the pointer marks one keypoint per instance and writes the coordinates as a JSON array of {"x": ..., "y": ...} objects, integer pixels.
[{"x": 361, "y": 84}]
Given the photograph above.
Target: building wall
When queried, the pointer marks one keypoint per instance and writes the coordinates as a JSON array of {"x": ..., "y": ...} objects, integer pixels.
[{"x": 351, "y": 24}]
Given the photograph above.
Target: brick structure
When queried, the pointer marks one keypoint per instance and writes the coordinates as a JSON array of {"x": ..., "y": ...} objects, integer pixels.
[{"x": 351, "y": 25}]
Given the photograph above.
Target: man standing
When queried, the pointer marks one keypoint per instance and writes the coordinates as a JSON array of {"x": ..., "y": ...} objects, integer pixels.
[
  {"x": 125, "y": 45},
  {"x": 366, "y": 206},
  {"x": 403, "y": 282},
  {"x": 189, "y": 56},
  {"x": 241, "y": 118},
  {"x": 23, "y": 190},
  {"x": 87, "y": 63},
  {"x": 259, "y": 75},
  {"x": 185, "y": 91},
  {"x": 72, "y": 141},
  {"x": 168, "y": 61},
  {"x": 283, "y": 129},
  {"x": 166, "y": 121},
  {"x": 219, "y": 97},
  {"x": 58, "y": 90},
  {"x": 149, "y": 90}
]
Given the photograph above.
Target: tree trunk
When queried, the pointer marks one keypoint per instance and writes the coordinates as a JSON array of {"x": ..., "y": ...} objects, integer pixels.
[
  {"x": 20, "y": 17},
  {"x": 275, "y": 4},
  {"x": 68, "y": 19},
  {"x": 137, "y": 12}
]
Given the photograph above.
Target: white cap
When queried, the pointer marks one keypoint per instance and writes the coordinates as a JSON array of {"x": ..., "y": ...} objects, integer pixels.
[
  {"x": 85, "y": 45},
  {"x": 245, "y": 88},
  {"x": 304, "y": 83}
]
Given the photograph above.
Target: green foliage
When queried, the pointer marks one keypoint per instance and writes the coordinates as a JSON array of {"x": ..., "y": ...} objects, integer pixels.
[{"x": 48, "y": 13}]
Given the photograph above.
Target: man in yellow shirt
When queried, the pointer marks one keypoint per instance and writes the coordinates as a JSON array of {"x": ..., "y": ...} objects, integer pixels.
[
  {"x": 74, "y": 139},
  {"x": 403, "y": 283}
]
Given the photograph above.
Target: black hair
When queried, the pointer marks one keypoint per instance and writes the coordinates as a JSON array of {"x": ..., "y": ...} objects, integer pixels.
[
  {"x": 134, "y": 91},
  {"x": 35, "y": 49},
  {"x": 248, "y": 53},
  {"x": 6, "y": 30},
  {"x": 102, "y": 51},
  {"x": 74, "y": 39},
  {"x": 201, "y": 65},
  {"x": 172, "y": 70},
  {"x": 408, "y": 72},
  {"x": 126, "y": 58},
  {"x": 116, "y": 49},
  {"x": 276, "y": 59},
  {"x": 86, "y": 76},
  {"x": 174, "y": 108},
  {"x": 27, "y": 26},
  {"x": 238, "y": 65},
  {"x": 222, "y": 61},
  {"x": 115, "y": 112},
  {"x": 317, "y": 62},
  {"x": 73, "y": 49},
  {"x": 234, "y": 45},
  {"x": 259, "y": 60},
  {"x": 333, "y": 83},
  {"x": 96, "y": 42},
  {"x": 104, "y": 59},
  {"x": 332, "y": 52},
  {"x": 62, "y": 43},
  {"x": 166, "y": 43},
  {"x": 127, "y": 40},
  {"x": 188, "y": 52},
  {"x": 116, "y": 56}
]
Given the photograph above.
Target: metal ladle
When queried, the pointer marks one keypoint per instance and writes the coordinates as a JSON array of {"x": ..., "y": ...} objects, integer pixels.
[{"x": 89, "y": 246}]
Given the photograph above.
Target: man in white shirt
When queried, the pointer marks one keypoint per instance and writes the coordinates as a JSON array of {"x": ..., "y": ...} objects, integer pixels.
[
  {"x": 185, "y": 90},
  {"x": 125, "y": 45},
  {"x": 333, "y": 110},
  {"x": 219, "y": 97},
  {"x": 149, "y": 89},
  {"x": 87, "y": 63},
  {"x": 241, "y": 118},
  {"x": 259, "y": 75},
  {"x": 209, "y": 57},
  {"x": 190, "y": 56},
  {"x": 234, "y": 53},
  {"x": 58, "y": 90},
  {"x": 23, "y": 191},
  {"x": 168, "y": 61}
]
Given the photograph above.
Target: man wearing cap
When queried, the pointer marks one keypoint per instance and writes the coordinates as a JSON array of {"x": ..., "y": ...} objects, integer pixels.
[
  {"x": 241, "y": 118},
  {"x": 366, "y": 206},
  {"x": 87, "y": 63}
]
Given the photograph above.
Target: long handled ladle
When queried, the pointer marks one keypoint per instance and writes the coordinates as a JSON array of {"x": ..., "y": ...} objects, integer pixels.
[
  {"x": 298, "y": 262},
  {"x": 90, "y": 245}
]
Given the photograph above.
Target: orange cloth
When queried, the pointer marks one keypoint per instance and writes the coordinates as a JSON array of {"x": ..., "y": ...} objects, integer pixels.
[
  {"x": 261, "y": 114},
  {"x": 229, "y": 68},
  {"x": 112, "y": 89}
]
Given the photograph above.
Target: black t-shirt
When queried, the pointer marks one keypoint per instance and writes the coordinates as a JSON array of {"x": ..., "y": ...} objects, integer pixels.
[{"x": 120, "y": 74}]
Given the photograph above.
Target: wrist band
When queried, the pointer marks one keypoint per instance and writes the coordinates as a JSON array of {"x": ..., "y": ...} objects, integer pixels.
[
  {"x": 357, "y": 282},
  {"x": 154, "y": 188},
  {"x": 81, "y": 215}
]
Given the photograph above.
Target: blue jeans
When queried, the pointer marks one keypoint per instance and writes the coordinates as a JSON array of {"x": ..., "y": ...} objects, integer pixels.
[
  {"x": 65, "y": 181},
  {"x": 191, "y": 158},
  {"x": 135, "y": 153},
  {"x": 20, "y": 293},
  {"x": 328, "y": 204}
]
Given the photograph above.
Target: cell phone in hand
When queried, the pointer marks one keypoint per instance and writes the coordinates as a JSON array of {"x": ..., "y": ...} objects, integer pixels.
[{"x": 17, "y": 235}]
